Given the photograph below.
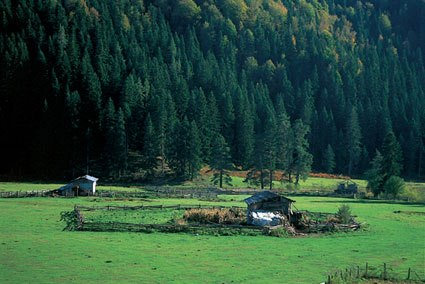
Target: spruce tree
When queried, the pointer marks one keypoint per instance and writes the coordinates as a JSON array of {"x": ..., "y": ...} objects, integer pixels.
[
  {"x": 220, "y": 161},
  {"x": 375, "y": 175},
  {"x": 108, "y": 127},
  {"x": 194, "y": 151},
  {"x": 284, "y": 142},
  {"x": 392, "y": 156},
  {"x": 329, "y": 159},
  {"x": 120, "y": 141},
  {"x": 353, "y": 141},
  {"x": 150, "y": 148},
  {"x": 302, "y": 159}
]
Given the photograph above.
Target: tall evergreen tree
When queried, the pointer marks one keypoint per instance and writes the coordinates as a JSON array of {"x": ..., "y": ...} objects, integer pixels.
[
  {"x": 329, "y": 159},
  {"x": 302, "y": 159},
  {"x": 150, "y": 147},
  {"x": 194, "y": 154},
  {"x": 221, "y": 161},
  {"x": 392, "y": 157},
  {"x": 353, "y": 140},
  {"x": 375, "y": 175}
]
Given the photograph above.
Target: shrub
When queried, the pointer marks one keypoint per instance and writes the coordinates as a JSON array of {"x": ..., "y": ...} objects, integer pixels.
[
  {"x": 279, "y": 232},
  {"x": 413, "y": 194},
  {"x": 71, "y": 220},
  {"x": 344, "y": 214},
  {"x": 394, "y": 186}
]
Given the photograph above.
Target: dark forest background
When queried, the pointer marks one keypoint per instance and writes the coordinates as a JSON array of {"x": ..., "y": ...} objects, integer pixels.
[{"x": 140, "y": 88}]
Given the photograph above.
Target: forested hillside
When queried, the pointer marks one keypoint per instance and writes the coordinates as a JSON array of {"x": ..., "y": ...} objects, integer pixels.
[{"x": 124, "y": 87}]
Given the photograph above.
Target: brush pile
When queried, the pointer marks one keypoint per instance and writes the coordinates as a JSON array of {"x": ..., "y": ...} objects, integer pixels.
[{"x": 235, "y": 216}]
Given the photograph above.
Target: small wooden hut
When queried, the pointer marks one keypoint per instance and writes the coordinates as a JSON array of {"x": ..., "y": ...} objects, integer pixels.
[
  {"x": 270, "y": 202},
  {"x": 81, "y": 186},
  {"x": 347, "y": 187}
]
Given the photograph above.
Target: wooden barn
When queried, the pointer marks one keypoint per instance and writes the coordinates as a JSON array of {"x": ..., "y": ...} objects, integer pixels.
[
  {"x": 81, "y": 186},
  {"x": 267, "y": 201}
]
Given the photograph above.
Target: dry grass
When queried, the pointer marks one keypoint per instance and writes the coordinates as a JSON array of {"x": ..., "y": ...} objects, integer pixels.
[{"x": 215, "y": 216}]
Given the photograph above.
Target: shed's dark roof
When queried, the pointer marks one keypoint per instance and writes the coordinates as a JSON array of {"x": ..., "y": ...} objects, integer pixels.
[{"x": 264, "y": 196}]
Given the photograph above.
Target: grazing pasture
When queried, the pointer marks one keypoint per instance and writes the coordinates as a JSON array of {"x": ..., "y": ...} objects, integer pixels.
[{"x": 34, "y": 248}]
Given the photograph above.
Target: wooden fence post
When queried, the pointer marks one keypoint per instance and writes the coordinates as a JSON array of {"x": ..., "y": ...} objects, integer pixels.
[
  {"x": 385, "y": 271},
  {"x": 366, "y": 270}
]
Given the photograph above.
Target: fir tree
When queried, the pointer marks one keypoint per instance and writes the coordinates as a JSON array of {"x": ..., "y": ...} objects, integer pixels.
[
  {"x": 329, "y": 159},
  {"x": 220, "y": 161},
  {"x": 392, "y": 157},
  {"x": 194, "y": 153},
  {"x": 302, "y": 159},
  {"x": 150, "y": 148},
  {"x": 353, "y": 140}
]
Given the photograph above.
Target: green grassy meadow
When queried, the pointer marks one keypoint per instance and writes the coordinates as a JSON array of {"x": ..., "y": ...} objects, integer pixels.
[
  {"x": 312, "y": 183},
  {"x": 34, "y": 249}
]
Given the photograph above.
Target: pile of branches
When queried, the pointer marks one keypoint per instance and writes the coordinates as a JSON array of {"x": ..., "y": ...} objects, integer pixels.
[
  {"x": 312, "y": 222},
  {"x": 215, "y": 216}
]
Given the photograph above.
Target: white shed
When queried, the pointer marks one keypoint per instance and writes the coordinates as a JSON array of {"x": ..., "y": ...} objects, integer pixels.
[{"x": 84, "y": 185}]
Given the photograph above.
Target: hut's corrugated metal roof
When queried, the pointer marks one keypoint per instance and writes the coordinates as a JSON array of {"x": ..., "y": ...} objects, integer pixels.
[
  {"x": 264, "y": 196},
  {"x": 87, "y": 177}
]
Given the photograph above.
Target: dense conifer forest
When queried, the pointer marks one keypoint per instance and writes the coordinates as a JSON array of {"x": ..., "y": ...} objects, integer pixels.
[{"x": 147, "y": 89}]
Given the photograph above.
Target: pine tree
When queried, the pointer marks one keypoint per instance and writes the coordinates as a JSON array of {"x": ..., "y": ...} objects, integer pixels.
[
  {"x": 353, "y": 140},
  {"x": 108, "y": 127},
  {"x": 329, "y": 159},
  {"x": 120, "y": 141},
  {"x": 270, "y": 150},
  {"x": 392, "y": 156},
  {"x": 150, "y": 148},
  {"x": 220, "y": 161},
  {"x": 194, "y": 154},
  {"x": 244, "y": 132},
  {"x": 284, "y": 140},
  {"x": 375, "y": 176},
  {"x": 302, "y": 159}
]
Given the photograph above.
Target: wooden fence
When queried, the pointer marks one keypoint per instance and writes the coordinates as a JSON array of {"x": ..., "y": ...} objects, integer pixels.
[
  {"x": 151, "y": 193},
  {"x": 152, "y": 207},
  {"x": 200, "y": 194},
  {"x": 166, "y": 192},
  {"x": 355, "y": 273},
  {"x": 82, "y": 225},
  {"x": 22, "y": 194}
]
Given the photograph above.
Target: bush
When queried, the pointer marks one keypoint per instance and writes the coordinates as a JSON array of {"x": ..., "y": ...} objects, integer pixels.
[
  {"x": 344, "y": 214},
  {"x": 413, "y": 194},
  {"x": 279, "y": 232},
  {"x": 394, "y": 186}
]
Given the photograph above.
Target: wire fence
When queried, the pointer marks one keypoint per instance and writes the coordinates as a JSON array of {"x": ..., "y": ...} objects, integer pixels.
[{"x": 357, "y": 274}]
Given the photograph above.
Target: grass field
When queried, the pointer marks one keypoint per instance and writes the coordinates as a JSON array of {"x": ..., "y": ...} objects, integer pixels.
[
  {"x": 34, "y": 249},
  {"x": 34, "y": 186},
  {"x": 311, "y": 184}
]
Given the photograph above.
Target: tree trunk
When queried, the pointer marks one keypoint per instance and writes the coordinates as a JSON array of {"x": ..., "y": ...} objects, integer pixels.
[
  {"x": 297, "y": 178},
  {"x": 261, "y": 179},
  {"x": 271, "y": 180},
  {"x": 421, "y": 150},
  {"x": 221, "y": 178},
  {"x": 350, "y": 167}
]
